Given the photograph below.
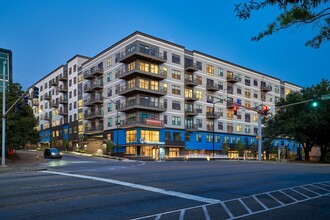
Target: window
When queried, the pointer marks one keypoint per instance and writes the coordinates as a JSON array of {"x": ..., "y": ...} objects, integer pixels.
[
  {"x": 74, "y": 68},
  {"x": 277, "y": 89},
  {"x": 165, "y": 119},
  {"x": 247, "y": 81},
  {"x": 199, "y": 108},
  {"x": 255, "y": 94},
  {"x": 239, "y": 128},
  {"x": 177, "y": 136},
  {"x": 198, "y": 137},
  {"x": 255, "y": 118},
  {"x": 187, "y": 136},
  {"x": 247, "y": 93},
  {"x": 109, "y": 62},
  {"x": 217, "y": 139},
  {"x": 109, "y": 122},
  {"x": 248, "y": 104},
  {"x": 176, "y": 120},
  {"x": 239, "y": 90},
  {"x": 209, "y": 138},
  {"x": 176, "y": 74},
  {"x": 150, "y": 135},
  {"x": 247, "y": 117},
  {"x": 168, "y": 136},
  {"x": 255, "y": 82},
  {"x": 117, "y": 56},
  {"x": 176, "y": 105},
  {"x": 209, "y": 70},
  {"x": 220, "y": 85},
  {"x": 175, "y": 58},
  {"x": 199, "y": 123},
  {"x": 176, "y": 90},
  {"x": 131, "y": 136},
  {"x": 247, "y": 129},
  {"x": 199, "y": 80},
  {"x": 220, "y": 71},
  {"x": 109, "y": 91},
  {"x": 110, "y": 107},
  {"x": 74, "y": 80},
  {"x": 199, "y": 65},
  {"x": 199, "y": 94},
  {"x": 270, "y": 97},
  {"x": 109, "y": 77},
  {"x": 220, "y": 125}
]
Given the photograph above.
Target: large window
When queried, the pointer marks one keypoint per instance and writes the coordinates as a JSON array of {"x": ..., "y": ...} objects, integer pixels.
[
  {"x": 130, "y": 136},
  {"x": 144, "y": 66},
  {"x": 209, "y": 70},
  {"x": 198, "y": 137},
  {"x": 176, "y": 120},
  {"x": 209, "y": 138},
  {"x": 175, "y": 58},
  {"x": 176, "y": 105},
  {"x": 176, "y": 74},
  {"x": 150, "y": 135},
  {"x": 176, "y": 90}
]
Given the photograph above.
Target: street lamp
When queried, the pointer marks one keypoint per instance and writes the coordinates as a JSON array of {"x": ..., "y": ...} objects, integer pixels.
[
  {"x": 3, "y": 163},
  {"x": 117, "y": 123}
]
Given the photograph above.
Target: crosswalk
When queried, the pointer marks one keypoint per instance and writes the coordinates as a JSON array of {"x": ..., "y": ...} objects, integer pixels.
[{"x": 249, "y": 205}]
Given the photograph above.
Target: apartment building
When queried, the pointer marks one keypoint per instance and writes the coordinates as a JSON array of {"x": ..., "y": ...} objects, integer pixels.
[{"x": 153, "y": 97}]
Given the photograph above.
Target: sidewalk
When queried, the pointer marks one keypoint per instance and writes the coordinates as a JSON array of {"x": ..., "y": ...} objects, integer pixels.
[{"x": 24, "y": 161}]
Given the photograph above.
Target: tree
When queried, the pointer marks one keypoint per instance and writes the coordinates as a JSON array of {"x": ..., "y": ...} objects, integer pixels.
[
  {"x": 240, "y": 148},
  {"x": 303, "y": 123},
  {"x": 293, "y": 13},
  {"x": 110, "y": 146},
  {"x": 20, "y": 123}
]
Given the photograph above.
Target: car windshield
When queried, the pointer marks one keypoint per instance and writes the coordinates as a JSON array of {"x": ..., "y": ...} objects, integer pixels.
[{"x": 54, "y": 150}]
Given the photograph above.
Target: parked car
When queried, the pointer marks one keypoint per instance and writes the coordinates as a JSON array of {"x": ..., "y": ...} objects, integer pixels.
[{"x": 52, "y": 153}]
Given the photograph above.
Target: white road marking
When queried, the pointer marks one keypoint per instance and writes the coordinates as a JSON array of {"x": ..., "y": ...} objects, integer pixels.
[
  {"x": 245, "y": 206},
  {"x": 182, "y": 214},
  {"x": 206, "y": 213},
  {"x": 227, "y": 210},
  {"x": 138, "y": 186},
  {"x": 301, "y": 193},
  {"x": 260, "y": 203},
  {"x": 310, "y": 191},
  {"x": 288, "y": 195},
  {"x": 275, "y": 198}
]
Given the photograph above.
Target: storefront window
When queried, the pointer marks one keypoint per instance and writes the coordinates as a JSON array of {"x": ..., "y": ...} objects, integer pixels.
[
  {"x": 173, "y": 152},
  {"x": 130, "y": 136},
  {"x": 150, "y": 135}
]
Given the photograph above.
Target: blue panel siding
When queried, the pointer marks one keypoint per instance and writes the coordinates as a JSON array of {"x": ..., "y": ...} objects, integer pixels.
[
  {"x": 44, "y": 136},
  {"x": 65, "y": 136}
]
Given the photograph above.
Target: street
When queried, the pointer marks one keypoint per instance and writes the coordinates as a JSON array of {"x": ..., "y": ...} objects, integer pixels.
[{"x": 80, "y": 187}]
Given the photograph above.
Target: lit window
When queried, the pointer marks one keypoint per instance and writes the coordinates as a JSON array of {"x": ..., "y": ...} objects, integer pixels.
[{"x": 209, "y": 70}]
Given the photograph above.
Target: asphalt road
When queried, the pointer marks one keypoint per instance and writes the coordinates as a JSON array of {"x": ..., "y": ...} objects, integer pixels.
[{"x": 78, "y": 187}]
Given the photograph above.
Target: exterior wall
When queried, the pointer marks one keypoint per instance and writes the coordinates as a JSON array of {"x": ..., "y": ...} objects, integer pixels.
[{"x": 99, "y": 79}]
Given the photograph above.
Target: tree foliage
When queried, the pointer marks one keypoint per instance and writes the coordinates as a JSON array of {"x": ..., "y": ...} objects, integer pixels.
[
  {"x": 293, "y": 13},
  {"x": 20, "y": 123},
  {"x": 306, "y": 124}
]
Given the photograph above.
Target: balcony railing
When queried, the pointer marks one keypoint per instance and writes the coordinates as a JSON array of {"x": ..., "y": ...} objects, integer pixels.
[
  {"x": 63, "y": 100},
  {"x": 63, "y": 112},
  {"x": 139, "y": 87},
  {"x": 93, "y": 115},
  {"x": 63, "y": 88},
  {"x": 145, "y": 122},
  {"x": 93, "y": 101},
  {"x": 124, "y": 73},
  {"x": 54, "y": 104},
  {"x": 265, "y": 88},
  {"x": 192, "y": 127},
  {"x": 140, "y": 52},
  {"x": 35, "y": 102},
  {"x": 212, "y": 87},
  {"x": 93, "y": 72},
  {"x": 191, "y": 112},
  {"x": 94, "y": 129},
  {"x": 191, "y": 97},
  {"x": 54, "y": 82},
  {"x": 48, "y": 117},
  {"x": 63, "y": 77},
  {"x": 191, "y": 82},
  {"x": 210, "y": 115},
  {"x": 233, "y": 78},
  {"x": 93, "y": 86},
  {"x": 136, "y": 104},
  {"x": 191, "y": 67}
]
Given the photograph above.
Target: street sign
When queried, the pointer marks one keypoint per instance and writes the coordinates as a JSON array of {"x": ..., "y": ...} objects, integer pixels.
[{"x": 325, "y": 97}]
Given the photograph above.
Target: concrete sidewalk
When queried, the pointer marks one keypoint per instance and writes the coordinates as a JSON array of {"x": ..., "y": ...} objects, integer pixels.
[{"x": 24, "y": 160}]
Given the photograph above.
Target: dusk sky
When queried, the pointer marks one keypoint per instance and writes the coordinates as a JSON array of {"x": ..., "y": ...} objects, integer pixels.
[{"x": 44, "y": 34}]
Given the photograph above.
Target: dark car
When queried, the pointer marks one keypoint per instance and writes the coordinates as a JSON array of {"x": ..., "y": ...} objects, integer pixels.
[{"x": 52, "y": 153}]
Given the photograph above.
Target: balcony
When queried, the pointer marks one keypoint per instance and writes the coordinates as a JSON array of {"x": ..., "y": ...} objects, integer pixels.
[
  {"x": 191, "y": 82},
  {"x": 91, "y": 101},
  {"x": 191, "y": 67},
  {"x": 54, "y": 82},
  {"x": 144, "y": 105},
  {"x": 231, "y": 105},
  {"x": 48, "y": 117},
  {"x": 63, "y": 100},
  {"x": 142, "y": 122},
  {"x": 54, "y": 104},
  {"x": 93, "y": 72},
  {"x": 35, "y": 103},
  {"x": 126, "y": 74},
  {"x": 210, "y": 115},
  {"x": 63, "y": 112},
  {"x": 190, "y": 112},
  {"x": 138, "y": 52},
  {"x": 93, "y": 86},
  {"x": 94, "y": 129},
  {"x": 47, "y": 97},
  {"x": 191, "y": 97},
  {"x": 233, "y": 79},
  {"x": 192, "y": 127},
  {"x": 63, "y": 88},
  {"x": 63, "y": 77},
  {"x": 93, "y": 115},
  {"x": 212, "y": 87},
  {"x": 265, "y": 88},
  {"x": 142, "y": 88}
]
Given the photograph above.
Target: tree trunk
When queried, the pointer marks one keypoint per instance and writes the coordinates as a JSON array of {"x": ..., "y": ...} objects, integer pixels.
[
  {"x": 306, "y": 155},
  {"x": 323, "y": 152}
]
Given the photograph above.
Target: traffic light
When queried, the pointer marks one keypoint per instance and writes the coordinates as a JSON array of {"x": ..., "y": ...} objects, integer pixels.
[
  {"x": 26, "y": 101},
  {"x": 265, "y": 109},
  {"x": 235, "y": 110},
  {"x": 35, "y": 92}
]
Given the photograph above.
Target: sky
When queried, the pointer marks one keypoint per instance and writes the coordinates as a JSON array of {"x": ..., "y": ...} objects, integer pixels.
[{"x": 44, "y": 34}]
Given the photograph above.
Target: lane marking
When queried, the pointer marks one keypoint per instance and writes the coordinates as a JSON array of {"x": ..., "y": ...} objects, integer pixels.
[
  {"x": 288, "y": 195},
  {"x": 260, "y": 203},
  {"x": 275, "y": 198},
  {"x": 301, "y": 193},
  {"x": 182, "y": 214},
  {"x": 322, "y": 188},
  {"x": 311, "y": 191},
  {"x": 244, "y": 204},
  {"x": 227, "y": 210},
  {"x": 138, "y": 186},
  {"x": 206, "y": 213}
]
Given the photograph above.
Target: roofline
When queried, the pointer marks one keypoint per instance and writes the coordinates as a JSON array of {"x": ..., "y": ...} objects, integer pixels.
[
  {"x": 292, "y": 84},
  {"x": 77, "y": 55}
]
